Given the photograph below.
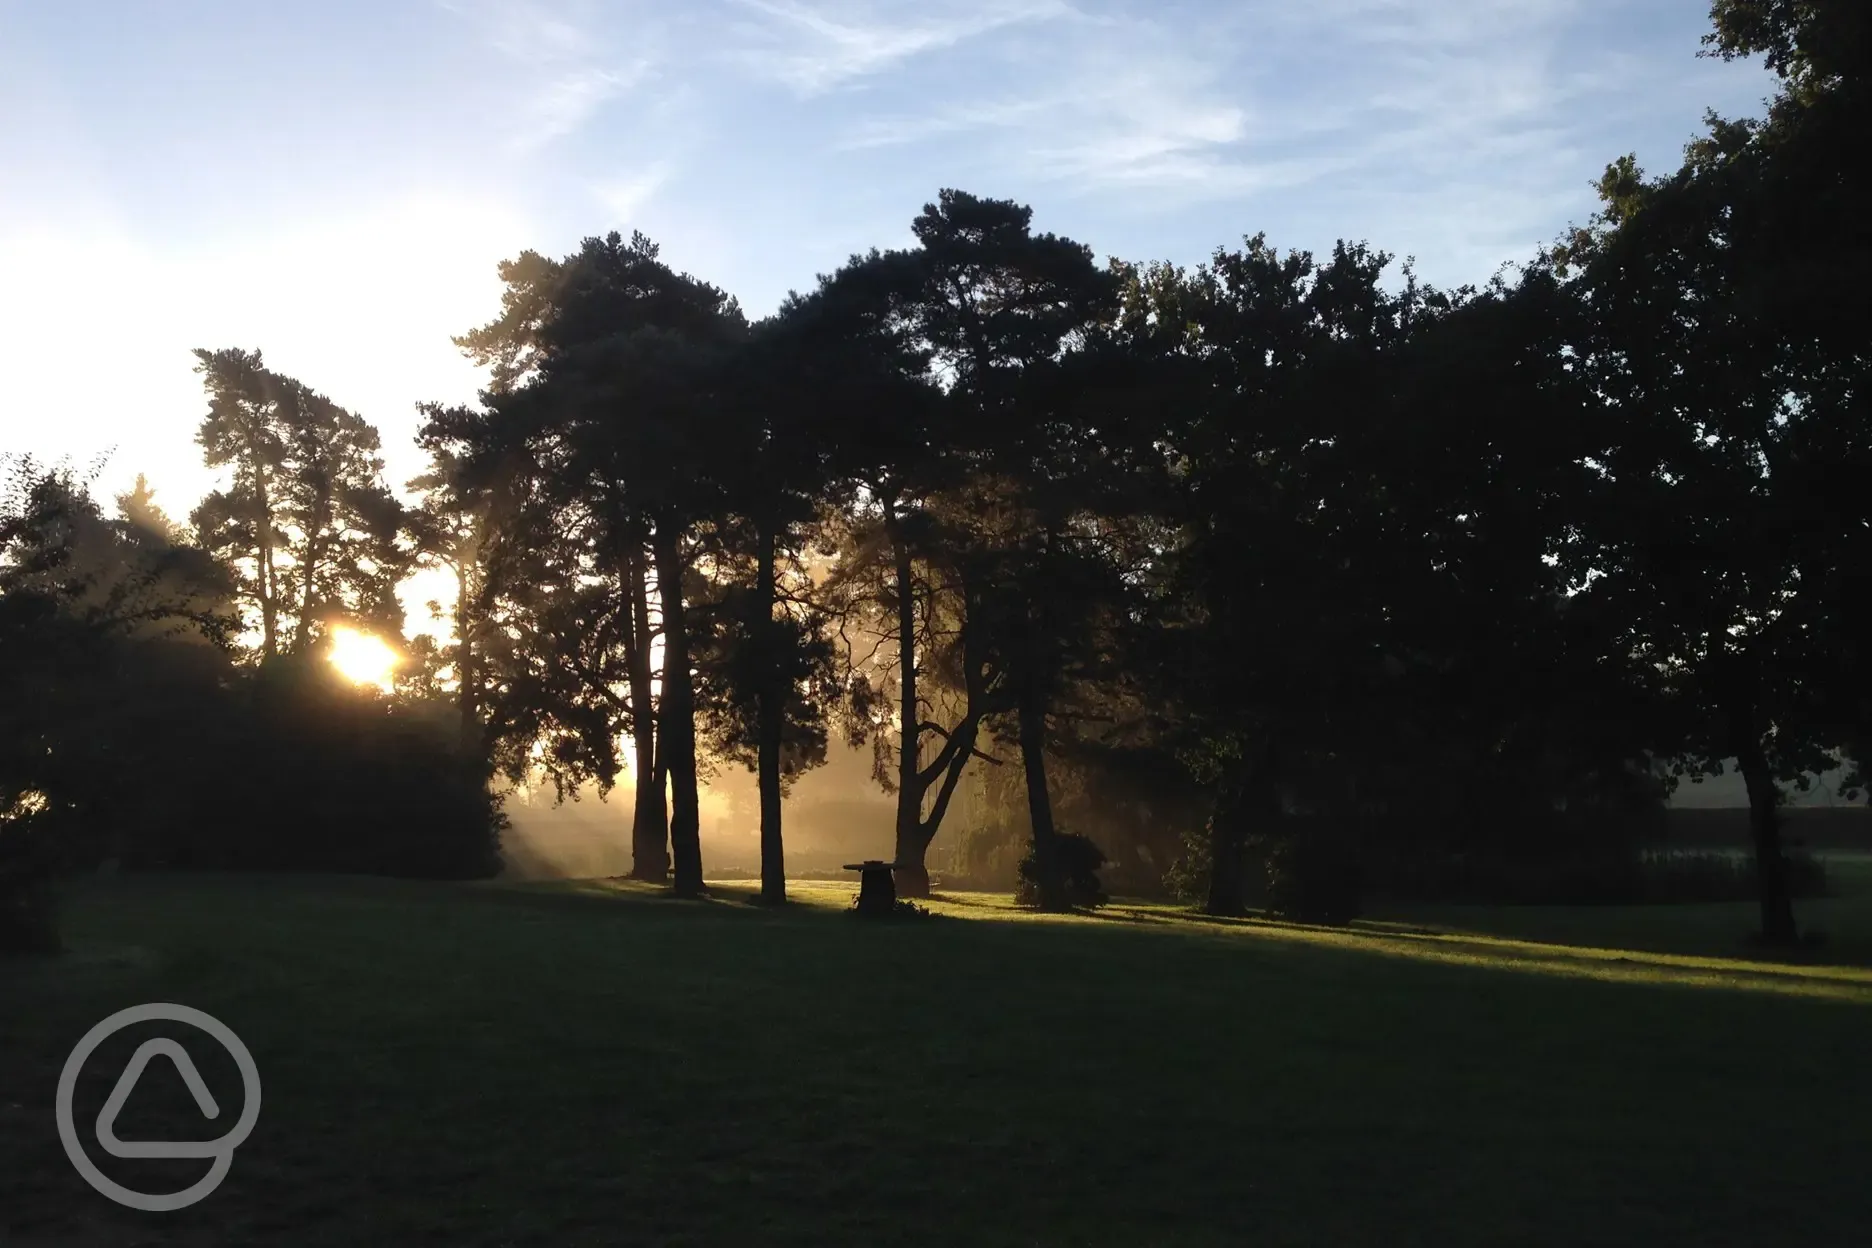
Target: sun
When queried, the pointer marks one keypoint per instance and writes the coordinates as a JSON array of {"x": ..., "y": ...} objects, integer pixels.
[{"x": 363, "y": 658}]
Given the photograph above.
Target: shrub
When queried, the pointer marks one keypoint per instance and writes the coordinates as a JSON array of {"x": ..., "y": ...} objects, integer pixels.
[
  {"x": 1692, "y": 877},
  {"x": 1312, "y": 878},
  {"x": 901, "y": 908},
  {"x": 1079, "y": 863},
  {"x": 985, "y": 860},
  {"x": 313, "y": 778},
  {"x": 1187, "y": 879}
]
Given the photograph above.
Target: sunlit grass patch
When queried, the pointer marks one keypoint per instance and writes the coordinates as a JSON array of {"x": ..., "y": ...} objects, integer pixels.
[{"x": 1453, "y": 946}]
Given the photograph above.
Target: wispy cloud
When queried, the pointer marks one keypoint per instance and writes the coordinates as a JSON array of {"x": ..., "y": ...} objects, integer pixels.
[
  {"x": 624, "y": 197},
  {"x": 564, "y": 102},
  {"x": 1103, "y": 102},
  {"x": 815, "y": 47},
  {"x": 564, "y": 66},
  {"x": 529, "y": 33},
  {"x": 1424, "y": 103}
]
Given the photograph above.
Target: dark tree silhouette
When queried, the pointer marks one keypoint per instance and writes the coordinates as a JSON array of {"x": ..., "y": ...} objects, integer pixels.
[
  {"x": 614, "y": 374},
  {"x": 307, "y": 522}
]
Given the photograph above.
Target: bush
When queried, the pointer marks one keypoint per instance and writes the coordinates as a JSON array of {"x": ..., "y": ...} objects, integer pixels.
[
  {"x": 1312, "y": 879},
  {"x": 1187, "y": 879},
  {"x": 309, "y": 776},
  {"x": 1692, "y": 877},
  {"x": 901, "y": 908},
  {"x": 1079, "y": 862},
  {"x": 985, "y": 859}
]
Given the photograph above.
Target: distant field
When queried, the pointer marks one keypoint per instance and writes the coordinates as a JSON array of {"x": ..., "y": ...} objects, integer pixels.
[
  {"x": 594, "y": 1064},
  {"x": 1820, "y": 827}
]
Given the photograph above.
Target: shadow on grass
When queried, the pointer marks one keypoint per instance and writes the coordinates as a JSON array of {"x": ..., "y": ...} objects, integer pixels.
[
  {"x": 821, "y": 901},
  {"x": 805, "y": 899},
  {"x": 1550, "y": 957}
]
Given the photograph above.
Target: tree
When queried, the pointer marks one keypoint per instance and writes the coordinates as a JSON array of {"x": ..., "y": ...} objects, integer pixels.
[
  {"x": 1049, "y": 537},
  {"x": 541, "y": 637},
  {"x": 1733, "y": 422},
  {"x": 611, "y": 373},
  {"x": 104, "y": 627},
  {"x": 773, "y": 666},
  {"x": 241, "y": 432},
  {"x": 1280, "y": 573},
  {"x": 138, "y": 508},
  {"x": 306, "y": 523},
  {"x": 979, "y": 301}
]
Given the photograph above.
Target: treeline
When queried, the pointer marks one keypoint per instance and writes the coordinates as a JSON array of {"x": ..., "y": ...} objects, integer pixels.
[
  {"x": 133, "y": 734},
  {"x": 1299, "y": 542}
]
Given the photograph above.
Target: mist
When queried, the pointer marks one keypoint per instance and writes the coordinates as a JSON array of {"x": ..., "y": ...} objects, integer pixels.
[{"x": 835, "y": 814}]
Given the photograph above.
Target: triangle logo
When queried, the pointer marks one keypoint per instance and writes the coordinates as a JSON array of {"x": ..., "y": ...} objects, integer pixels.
[{"x": 126, "y": 1083}]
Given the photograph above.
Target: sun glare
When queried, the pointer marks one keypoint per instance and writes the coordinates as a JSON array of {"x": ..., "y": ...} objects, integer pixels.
[{"x": 363, "y": 658}]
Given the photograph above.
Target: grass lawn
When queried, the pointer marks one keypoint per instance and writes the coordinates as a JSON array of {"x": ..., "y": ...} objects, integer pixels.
[{"x": 593, "y": 1064}]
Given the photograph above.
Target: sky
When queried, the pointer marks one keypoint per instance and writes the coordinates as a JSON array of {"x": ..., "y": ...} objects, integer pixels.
[{"x": 335, "y": 183}]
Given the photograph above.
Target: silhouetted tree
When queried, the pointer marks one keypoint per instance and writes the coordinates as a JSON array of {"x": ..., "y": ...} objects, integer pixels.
[
  {"x": 977, "y": 304},
  {"x": 98, "y": 618},
  {"x": 306, "y": 523},
  {"x": 1730, "y": 530},
  {"x": 613, "y": 373}
]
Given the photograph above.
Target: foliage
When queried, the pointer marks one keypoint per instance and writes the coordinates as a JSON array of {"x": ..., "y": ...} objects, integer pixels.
[
  {"x": 613, "y": 403},
  {"x": 1187, "y": 877},
  {"x": 96, "y": 617},
  {"x": 306, "y": 526},
  {"x": 1079, "y": 864},
  {"x": 128, "y": 734},
  {"x": 902, "y": 908},
  {"x": 1312, "y": 878},
  {"x": 396, "y": 795}
]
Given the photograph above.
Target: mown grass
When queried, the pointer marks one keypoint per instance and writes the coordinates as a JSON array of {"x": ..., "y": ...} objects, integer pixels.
[{"x": 595, "y": 1064}]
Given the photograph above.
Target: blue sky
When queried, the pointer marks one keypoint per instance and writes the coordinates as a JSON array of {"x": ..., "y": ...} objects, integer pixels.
[{"x": 334, "y": 182}]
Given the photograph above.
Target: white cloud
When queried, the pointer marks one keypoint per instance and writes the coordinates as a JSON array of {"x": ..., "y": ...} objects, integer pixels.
[
  {"x": 563, "y": 103},
  {"x": 1469, "y": 124},
  {"x": 813, "y": 48},
  {"x": 624, "y": 197},
  {"x": 1105, "y": 103},
  {"x": 564, "y": 68}
]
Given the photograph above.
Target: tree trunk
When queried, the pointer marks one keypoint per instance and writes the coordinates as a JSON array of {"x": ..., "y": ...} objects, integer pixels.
[
  {"x": 677, "y": 720},
  {"x": 650, "y": 859},
  {"x": 772, "y": 696},
  {"x": 467, "y": 671},
  {"x": 912, "y": 876},
  {"x": 1052, "y": 887},
  {"x": 1777, "y": 907},
  {"x": 1739, "y": 677},
  {"x": 1228, "y": 835},
  {"x": 269, "y": 608},
  {"x": 315, "y": 542}
]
